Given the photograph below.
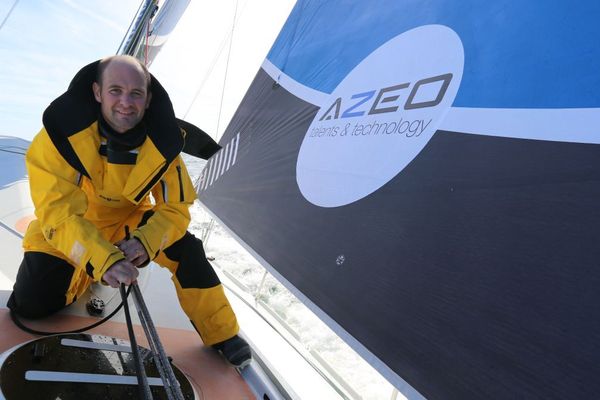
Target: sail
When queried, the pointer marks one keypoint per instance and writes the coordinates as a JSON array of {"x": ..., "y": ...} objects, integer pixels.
[
  {"x": 158, "y": 27},
  {"x": 425, "y": 176}
]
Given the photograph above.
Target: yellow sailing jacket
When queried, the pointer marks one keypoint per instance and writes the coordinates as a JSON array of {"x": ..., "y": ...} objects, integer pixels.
[
  {"x": 78, "y": 215},
  {"x": 82, "y": 202}
]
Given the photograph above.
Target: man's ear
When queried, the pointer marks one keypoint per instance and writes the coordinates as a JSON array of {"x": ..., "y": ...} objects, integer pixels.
[
  {"x": 148, "y": 100},
  {"x": 96, "y": 90}
]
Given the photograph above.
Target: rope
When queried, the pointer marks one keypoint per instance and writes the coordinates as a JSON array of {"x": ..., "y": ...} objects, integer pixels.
[
  {"x": 27, "y": 329},
  {"x": 170, "y": 382},
  {"x": 143, "y": 386}
]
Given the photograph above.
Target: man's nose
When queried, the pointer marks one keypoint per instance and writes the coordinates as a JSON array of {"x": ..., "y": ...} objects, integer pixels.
[{"x": 126, "y": 99}]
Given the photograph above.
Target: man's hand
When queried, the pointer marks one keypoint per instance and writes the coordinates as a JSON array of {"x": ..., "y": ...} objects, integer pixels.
[
  {"x": 134, "y": 251},
  {"x": 120, "y": 272}
]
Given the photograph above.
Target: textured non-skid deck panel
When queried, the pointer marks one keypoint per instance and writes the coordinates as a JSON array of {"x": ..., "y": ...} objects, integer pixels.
[
  {"x": 211, "y": 376},
  {"x": 80, "y": 365}
]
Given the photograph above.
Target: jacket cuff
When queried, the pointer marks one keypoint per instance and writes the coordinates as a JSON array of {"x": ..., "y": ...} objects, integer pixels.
[
  {"x": 150, "y": 249},
  {"x": 97, "y": 272}
]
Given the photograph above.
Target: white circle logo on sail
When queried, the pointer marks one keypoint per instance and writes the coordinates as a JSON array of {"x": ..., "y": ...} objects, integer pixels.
[{"x": 380, "y": 116}]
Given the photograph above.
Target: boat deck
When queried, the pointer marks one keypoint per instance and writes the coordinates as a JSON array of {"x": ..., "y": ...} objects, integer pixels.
[{"x": 208, "y": 372}]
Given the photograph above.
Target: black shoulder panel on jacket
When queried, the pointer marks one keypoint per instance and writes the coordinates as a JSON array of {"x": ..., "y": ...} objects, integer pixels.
[
  {"x": 197, "y": 142},
  {"x": 162, "y": 124},
  {"x": 71, "y": 112}
]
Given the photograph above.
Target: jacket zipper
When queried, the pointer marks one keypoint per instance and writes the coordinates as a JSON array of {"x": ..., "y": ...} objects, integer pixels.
[{"x": 180, "y": 182}]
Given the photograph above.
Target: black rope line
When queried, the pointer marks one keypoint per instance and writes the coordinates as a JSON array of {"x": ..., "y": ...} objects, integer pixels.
[
  {"x": 27, "y": 329},
  {"x": 142, "y": 379}
]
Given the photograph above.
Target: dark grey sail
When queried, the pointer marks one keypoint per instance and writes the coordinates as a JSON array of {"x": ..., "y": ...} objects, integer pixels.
[{"x": 426, "y": 176}]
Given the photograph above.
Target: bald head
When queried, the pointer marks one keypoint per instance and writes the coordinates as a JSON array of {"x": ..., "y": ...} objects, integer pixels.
[
  {"x": 122, "y": 59},
  {"x": 123, "y": 91}
]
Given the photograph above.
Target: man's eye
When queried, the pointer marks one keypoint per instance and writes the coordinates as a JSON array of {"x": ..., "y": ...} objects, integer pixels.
[{"x": 114, "y": 91}]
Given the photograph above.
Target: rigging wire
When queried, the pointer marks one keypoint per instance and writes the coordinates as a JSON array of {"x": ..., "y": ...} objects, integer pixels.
[
  {"x": 211, "y": 67},
  {"x": 226, "y": 70},
  {"x": 281, "y": 330},
  {"x": 213, "y": 63},
  {"x": 8, "y": 15}
]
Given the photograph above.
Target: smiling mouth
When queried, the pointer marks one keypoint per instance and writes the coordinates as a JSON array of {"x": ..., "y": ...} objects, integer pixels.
[{"x": 124, "y": 114}]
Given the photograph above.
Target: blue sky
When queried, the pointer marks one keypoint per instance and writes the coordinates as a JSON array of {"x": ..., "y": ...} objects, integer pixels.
[{"x": 43, "y": 44}]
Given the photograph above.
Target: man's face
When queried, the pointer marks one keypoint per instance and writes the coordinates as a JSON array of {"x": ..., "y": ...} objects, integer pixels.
[{"x": 123, "y": 95}]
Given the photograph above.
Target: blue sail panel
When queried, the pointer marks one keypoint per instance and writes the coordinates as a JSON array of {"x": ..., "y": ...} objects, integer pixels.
[{"x": 517, "y": 54}]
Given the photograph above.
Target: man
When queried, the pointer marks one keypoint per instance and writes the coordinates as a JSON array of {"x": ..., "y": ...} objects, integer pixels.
[{"x": 105, "y": 147}]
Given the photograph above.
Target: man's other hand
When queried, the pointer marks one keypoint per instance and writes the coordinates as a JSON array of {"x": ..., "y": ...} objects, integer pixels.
[
  {"x": 134, "y": 251},
  {"x": 120, "y": 272}
]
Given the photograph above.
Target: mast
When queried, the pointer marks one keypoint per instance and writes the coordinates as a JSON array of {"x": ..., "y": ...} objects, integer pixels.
[
  {"x": 150, "y": 28},
  {"x": 134, "y": 39}
]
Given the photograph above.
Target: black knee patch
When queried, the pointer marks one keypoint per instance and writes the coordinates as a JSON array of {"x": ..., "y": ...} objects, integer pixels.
[
  {"x": 41, "y": 285},
  {"x": 194, "y": 270}
]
